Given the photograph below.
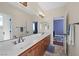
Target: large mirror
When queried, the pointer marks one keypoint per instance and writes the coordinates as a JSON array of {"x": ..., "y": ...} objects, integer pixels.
[
  {"x": 10, "y": 30},
  {"x": 15, "y": 22}
]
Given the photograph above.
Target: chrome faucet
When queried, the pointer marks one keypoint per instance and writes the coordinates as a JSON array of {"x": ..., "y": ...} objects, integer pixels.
[{"x": 20, "y": 39}]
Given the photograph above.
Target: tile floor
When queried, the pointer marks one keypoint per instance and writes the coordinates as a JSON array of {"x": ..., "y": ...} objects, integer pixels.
[{"x": 59, "y": 51}]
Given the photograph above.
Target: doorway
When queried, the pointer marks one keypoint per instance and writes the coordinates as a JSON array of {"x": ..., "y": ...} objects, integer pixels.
[
  {"x": 58, "y": 31},
  {"x": 60, "y": 28}
]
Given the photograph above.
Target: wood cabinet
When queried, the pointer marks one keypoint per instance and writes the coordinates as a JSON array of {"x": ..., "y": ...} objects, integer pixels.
[{"x": 38, "y": 49}]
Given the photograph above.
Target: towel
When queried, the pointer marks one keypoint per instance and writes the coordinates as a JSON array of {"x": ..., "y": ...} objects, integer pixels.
[{"x": 71, "y": 37}]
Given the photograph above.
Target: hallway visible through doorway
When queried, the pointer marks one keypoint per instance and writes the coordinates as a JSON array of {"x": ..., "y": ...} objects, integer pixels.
[{"x": 58, "y": 32}]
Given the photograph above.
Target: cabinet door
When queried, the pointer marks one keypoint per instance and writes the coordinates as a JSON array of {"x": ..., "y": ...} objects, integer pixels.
[
  {"x": 38, "y": 49},
  {"x": 30, "y": 53}
]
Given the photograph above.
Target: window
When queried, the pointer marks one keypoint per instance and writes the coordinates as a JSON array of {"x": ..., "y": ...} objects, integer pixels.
[{"x": 1, "y": 20}]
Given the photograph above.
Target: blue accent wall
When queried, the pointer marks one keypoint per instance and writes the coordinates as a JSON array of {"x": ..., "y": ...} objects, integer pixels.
[{"x": 58, "y": 26}]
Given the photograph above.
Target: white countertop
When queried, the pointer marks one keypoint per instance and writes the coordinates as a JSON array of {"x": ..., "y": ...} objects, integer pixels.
[{"x": 21, "y": 47}]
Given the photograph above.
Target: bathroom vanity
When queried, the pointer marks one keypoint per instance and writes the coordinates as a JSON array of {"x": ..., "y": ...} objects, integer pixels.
[
  {"x": 33, "y": 45},
  {"x": 38, "y": 49}
]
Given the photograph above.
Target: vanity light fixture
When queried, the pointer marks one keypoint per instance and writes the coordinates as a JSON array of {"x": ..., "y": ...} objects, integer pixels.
[{"x": 41, "y": 14}]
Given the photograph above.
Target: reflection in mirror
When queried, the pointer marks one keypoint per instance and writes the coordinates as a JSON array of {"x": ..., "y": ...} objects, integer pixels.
[
  {"x": 1, "y": 28},
  {"x": 5, "y": 27},
  {"x": 8, "y": 29},
  {"x": 44, "y": 26}
]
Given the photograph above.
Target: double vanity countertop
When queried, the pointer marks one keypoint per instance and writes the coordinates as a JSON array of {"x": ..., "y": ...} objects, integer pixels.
[{"x": 15, "y": 50}]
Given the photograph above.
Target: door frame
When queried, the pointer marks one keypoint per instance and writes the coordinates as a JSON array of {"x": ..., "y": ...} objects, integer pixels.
[{"x": 65, "y": 32}]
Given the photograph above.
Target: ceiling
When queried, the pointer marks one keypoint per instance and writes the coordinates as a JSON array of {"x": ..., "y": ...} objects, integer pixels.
[{"x": 46, "y": 6}]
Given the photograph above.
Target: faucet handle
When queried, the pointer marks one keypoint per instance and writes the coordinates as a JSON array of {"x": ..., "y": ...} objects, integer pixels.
[
  {"x": 23, "y": 40},
  {"x": 19, "y": 40}
]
